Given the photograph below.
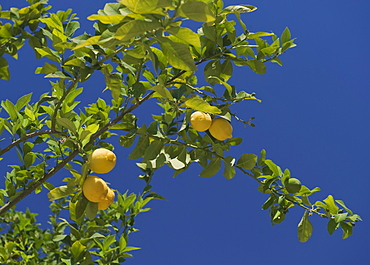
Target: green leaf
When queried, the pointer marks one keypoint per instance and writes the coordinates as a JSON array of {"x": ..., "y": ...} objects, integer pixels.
[
  {"x": 153, "y": 150},
  {"x": 274, "y": 168},
  {"x": 177, "y": 54},
  {"x": 23, "y": 101},
  {"x": 256, "y": 35},
  {"x": 91, "y": 210},
  {"x": 270, "y": 201},
  {"x": 226, "y": 70},
  {"x": 347, "y": 229},
  {"x": 146, "y": 6},
  {"x": 4, "y": 69},
  {"x": 107, "y": 19},
  {"x": 257, "y": 66},
  {"x": 285, "y": 36},
  {"x": 140, "y": 147},
  {"x": 122, "y": 243},
  {"x": 186, "y": 35},
  {"x": 229, "y": 170},
  {"x": 197, "y": 103},
  {"x": 47, "y": 69},
  {"x": 239, "y": 9},
  {"x": 340, "y": 217},
  {"x": 341, "y": 203},
  {"x": 90, "y": 41},
  {"x": 247, "y": 161},
  {"x": 60, "y": 192},
  {"x": 234, "y": 141},
  {"x": 10, "y": 109},
  {"x": 114, "y": 82},
  {"x": 135, "y": 28},
  {"x": 66, "y": 123},
  {"x": 332, "y": 226},
  {"x": 198, "y": 11},
  {"x": 81, "y": 207},
  {"x": 305, "y": 228},
  {"x": 49, "y": 53},
  {"x": 162, "y": 91},
  {"x": 331, "y": 206},
  {"x": 77, "y": 248},
  {"x": 212, "y": 168}
]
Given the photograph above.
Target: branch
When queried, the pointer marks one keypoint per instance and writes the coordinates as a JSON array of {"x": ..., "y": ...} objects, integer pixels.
[
  {"x": 37, "y": 183},
  {"x": 25, "y": 138}
]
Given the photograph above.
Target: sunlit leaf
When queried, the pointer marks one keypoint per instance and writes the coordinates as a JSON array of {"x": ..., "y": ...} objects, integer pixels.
[
  {"x": 198, "y": 11},
  {"x": 197, "y": 103},
  {"x": 60, "y": 192},
  {"x": 305, "y": 228},
  {"x": 77, "y": 248},
  {"x": 91, "y": 41},
  {"x": 135, "y": 28},
  {"x": 146, "y": 6},
  {"x": 330, "y": 204},
  {"x": 257, "y": 66},
  {"x": 66, "y": 123},
  {"x": 347, "y": 229},
  {"x": 239, "y": 9},
  {"x": 177, "y": 54},
  {"x": 162, "y": 91},
  {"x": 107, "y": 19},
  {"x": 186, "y": 35}
]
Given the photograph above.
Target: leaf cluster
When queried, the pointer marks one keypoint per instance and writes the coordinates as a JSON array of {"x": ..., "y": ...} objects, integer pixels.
[{"x": 146, "y": 51}]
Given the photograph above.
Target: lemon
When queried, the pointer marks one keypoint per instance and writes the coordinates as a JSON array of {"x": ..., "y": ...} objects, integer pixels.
[
  {"x": 221, "y": 129},
  {"x": 108, "y": 200},
  {"x": 200, "y": 121},
  {"x": 95, "y": 189},
  {"x": 102, "y": 160},
  {"x": 293, "y": 185}
]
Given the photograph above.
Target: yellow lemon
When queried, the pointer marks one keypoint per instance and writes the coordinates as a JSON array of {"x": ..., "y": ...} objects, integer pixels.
[
  {"x": 221, "y": 129},
  {"x": 293, "y": 185},
  {"x": 108, "y": 200},
  {"x": 200, "y": 121},
  {"x": 102, "y": 160},
  {"x": 95, "y": 189}
]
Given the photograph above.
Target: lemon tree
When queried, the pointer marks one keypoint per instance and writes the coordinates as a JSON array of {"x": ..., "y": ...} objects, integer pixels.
[{"x": 145, "y": 50}]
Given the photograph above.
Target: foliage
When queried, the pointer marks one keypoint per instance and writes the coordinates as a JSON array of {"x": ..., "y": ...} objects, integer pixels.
[{"x": 145, "y": 50}]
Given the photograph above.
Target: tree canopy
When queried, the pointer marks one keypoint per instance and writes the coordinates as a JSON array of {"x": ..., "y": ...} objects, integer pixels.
[{"x": 180, "y": 54}]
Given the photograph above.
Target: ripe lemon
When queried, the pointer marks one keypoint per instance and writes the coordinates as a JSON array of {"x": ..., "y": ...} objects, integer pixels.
[
  {"x": 200, "y": 121},
  {"x": 293, "y": 185},
  {"x": 108, "y": 200},
  {"x": 221, "y": 129},
  {"x": 95, "y": 189},
  {"x": 102, "y": 160}
]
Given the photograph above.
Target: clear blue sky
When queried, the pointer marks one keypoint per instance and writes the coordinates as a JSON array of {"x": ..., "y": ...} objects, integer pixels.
[{"x": 314, "y": 120}]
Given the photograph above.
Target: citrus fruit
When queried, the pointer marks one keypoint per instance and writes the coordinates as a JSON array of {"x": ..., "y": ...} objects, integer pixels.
[
  {"x": 108, "y": 200},
  {"x": 221, "y": 129},
  {"x": 293, "y": 185},
  {"x": 200, "y": 121},
  {"x": 102, "y": 160},
  {"x": 95, "y": 189}
]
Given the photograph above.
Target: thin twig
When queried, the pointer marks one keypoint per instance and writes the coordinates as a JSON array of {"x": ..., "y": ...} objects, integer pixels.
[{"x": 25, "y": 138}]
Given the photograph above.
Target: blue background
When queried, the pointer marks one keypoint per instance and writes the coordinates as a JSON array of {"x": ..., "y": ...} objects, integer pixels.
[{"x": 314, "y": 120}]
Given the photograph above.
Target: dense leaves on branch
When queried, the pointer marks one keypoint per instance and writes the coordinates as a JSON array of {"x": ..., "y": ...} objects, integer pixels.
[{"x": 145, "y": 50}]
